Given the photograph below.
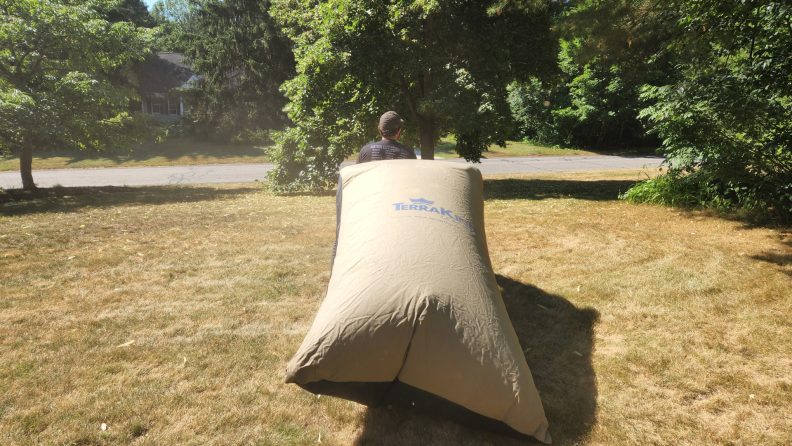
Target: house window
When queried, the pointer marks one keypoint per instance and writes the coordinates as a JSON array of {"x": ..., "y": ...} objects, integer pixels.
[
  {"x": 173, "y": 106},
  {"x": 158, "y": 103}
]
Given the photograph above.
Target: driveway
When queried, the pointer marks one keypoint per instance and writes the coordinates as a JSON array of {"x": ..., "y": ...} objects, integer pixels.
[{"x": 242, "y": 173}]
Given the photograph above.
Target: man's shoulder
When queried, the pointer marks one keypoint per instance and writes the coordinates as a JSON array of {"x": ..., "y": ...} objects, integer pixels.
[{"x": 385, "y": 149}]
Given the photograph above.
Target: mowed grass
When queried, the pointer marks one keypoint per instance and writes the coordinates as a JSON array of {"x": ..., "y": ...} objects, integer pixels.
[
  {"x": 513, "y": 148},
  {"x": 681, "y": 320},
  {"x": 177, "y": 151},
  {"x": 172, "y": 152},
  {"x": 446, "y": 149}
]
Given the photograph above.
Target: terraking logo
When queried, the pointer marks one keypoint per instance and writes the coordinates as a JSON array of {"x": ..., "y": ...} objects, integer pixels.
[{"x": 424, "y": 205}]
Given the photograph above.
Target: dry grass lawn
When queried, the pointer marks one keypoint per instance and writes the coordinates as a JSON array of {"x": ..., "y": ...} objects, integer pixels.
[{"x": 169, "y": 314}]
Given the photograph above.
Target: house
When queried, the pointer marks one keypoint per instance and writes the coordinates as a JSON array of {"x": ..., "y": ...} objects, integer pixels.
[{"x": 158, "y": 77}]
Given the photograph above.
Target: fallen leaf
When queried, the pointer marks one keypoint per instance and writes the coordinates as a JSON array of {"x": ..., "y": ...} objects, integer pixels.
[
  {"x": 70, "y": 257},
  {"x": 127, "y": 344},
  {"x": 104, "y": 426},
  {"x": 578, "y": 288},
  {"x": 527, "y": 350},
  {"x": 82, "y": 226},
  {"x": 577, "y": 353},
  {"x": 542, "y": 306}
]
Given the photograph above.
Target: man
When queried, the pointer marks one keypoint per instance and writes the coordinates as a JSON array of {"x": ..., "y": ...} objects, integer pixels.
[{"x": 390, "y": 126}]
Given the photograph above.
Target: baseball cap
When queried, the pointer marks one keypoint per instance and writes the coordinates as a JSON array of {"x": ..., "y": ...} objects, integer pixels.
[{"x": 391, "y": 121}]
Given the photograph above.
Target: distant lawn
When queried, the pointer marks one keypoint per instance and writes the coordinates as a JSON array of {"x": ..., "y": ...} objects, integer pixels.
[
  {"x": 513, "y": 148},
  {"x": 173, "y": 152},
  {"x": 189, "y": 152},
  {"x": 170, "y": 313}
]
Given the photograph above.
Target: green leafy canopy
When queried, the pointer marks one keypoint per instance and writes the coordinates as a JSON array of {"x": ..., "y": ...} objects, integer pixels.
[
  {"x": 444, "y": 66},
  {"x": 243, "y": 58},
  {"x": 65, "y": 76}
]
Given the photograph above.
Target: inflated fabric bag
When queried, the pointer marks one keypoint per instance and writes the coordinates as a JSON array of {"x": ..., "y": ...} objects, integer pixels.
[{"x": 413, "y": 316}]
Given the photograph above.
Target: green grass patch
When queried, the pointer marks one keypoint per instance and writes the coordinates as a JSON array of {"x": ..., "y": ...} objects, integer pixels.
[
  {"x": 172, "y": 152},
  {"x": 513, "y": 148}
]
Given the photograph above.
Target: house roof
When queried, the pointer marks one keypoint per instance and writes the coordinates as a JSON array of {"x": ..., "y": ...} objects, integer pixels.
[{"x": 162, "y": 72}]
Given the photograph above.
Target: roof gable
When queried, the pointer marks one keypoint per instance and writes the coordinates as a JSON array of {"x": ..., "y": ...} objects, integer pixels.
[{"x": 162, "y": 72}]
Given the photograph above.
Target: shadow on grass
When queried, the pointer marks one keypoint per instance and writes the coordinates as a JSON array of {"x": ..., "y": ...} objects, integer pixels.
[
  {"x": 539, "y": 189},
  {"x": 74, "y": 199},
  {"x": 566, "y": 381},
  {"x": 781, "y": 257}
]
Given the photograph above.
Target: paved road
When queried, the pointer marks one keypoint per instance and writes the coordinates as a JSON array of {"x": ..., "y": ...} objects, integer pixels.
[{"x": 241, "y": 173}]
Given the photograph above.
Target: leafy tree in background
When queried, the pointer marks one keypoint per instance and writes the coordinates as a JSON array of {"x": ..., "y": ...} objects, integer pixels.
[
  {"x": 244, "y": 58},
  {"x": 176, "y": 21},
  {"x": 443, "y": 65},
  {"x": 726, "y": 124},
  {"x": 605, "y": 63},
  {"x": 134, "y": 11},
  {"x": 60, "y": 64}
]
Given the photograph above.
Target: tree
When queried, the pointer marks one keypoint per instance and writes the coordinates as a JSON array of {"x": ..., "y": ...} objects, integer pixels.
[
  {"x": 63, "y": 73},
  {"x": 444, "y": 65},
  {"x": 726, "y": 124},
  {"x": 596, "y": 105},
  {"x": 176, "y": 22},
  {"x": 609, "y": 52},
  {"x": 244, "y": 58},
  {"x": 134, "y": 11}
]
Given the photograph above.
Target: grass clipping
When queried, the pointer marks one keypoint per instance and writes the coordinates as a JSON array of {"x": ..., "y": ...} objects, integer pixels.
[{"x": 166, "y": 315}]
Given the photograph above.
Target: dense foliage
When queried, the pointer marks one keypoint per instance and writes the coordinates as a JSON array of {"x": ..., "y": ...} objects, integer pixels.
[
  {"x": 605, "y": 62},
  {"x": 726, "y": 124},
  {"x": 64, "y": 78},
  {"x": 596, "y": 104},
  {"x": 243, "y": 58},
  {"x": 443, "y": 65},
  {"x": 176, "y": 21},
  {"x": 134, "y": 11}
]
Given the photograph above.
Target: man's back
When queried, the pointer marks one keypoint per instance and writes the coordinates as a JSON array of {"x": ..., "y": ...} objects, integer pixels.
[{"x": 387, "y": 149}]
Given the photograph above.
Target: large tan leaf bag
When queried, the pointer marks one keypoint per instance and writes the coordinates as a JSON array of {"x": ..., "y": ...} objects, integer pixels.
[{"x": 413, "y": 316}]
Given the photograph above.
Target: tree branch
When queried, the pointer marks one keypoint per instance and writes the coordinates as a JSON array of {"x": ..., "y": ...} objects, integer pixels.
[
  {"x": 4, "y": 70},
  {"x": 427, "y": 73},
  {"x": 410, "y": 101},
  {"x": 789, "y": 27}
]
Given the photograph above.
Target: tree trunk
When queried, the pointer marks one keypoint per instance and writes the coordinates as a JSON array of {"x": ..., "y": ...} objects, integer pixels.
[
  {"x": 427, "y": 138},
  {"x": 601, "y": 135},
  {"x": 26, "y": 165},
  {"x": 427, "y": 123}
]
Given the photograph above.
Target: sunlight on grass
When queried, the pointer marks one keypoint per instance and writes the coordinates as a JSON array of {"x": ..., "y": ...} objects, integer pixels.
[
  {"x": 173, "y": 152},
  {"x": 643, "y": 324},
  {"x": 513, "y": 148}
]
